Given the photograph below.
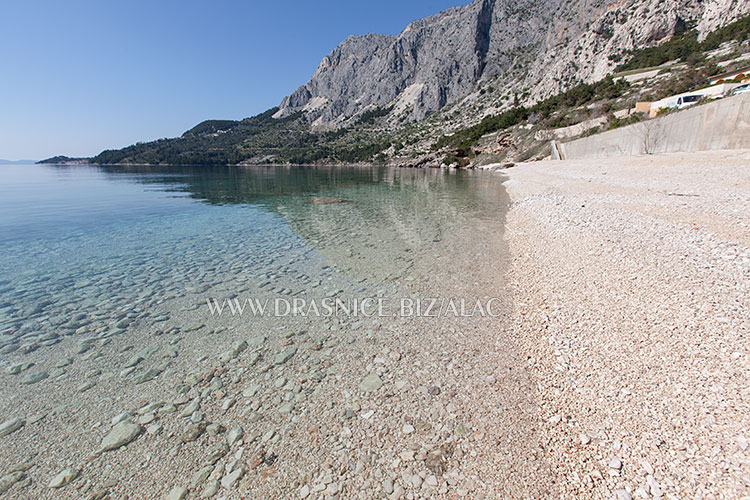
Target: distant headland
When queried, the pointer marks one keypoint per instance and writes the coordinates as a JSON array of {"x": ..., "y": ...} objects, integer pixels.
[{"x": 65, "y": 160}]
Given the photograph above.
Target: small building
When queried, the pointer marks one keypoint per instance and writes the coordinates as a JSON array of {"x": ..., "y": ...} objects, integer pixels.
[
  {"x": 736, "y": 75},
  {"x": 642, "y": 107}
]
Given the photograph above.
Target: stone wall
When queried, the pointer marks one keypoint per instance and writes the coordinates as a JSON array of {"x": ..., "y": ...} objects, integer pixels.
[{"x": 722, "y": 124}]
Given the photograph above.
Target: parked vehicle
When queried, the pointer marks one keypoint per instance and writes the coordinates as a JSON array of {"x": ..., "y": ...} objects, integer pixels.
[
  {"x": 687, "y": 100},
  {"x": 742, "y": 89},
  {"x": 691, "y": 98}
]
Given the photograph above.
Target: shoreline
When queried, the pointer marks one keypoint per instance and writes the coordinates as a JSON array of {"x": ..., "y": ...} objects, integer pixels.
[
  {"x": 620, "y": 361},
  {"x": 293, "y": 407},
  {"x": 631, "y": 291}
]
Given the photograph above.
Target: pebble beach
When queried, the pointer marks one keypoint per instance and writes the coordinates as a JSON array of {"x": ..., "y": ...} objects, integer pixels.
[{"x": 631, "y": 280}]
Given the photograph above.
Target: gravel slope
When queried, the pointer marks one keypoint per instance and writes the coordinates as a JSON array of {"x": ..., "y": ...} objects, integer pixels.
[{"x": 631, "y": 281}]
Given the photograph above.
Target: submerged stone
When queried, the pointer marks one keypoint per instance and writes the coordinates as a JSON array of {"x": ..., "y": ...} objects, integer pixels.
[
  {"x": 193, "y": 327},
  {"x": 235, "y": 351},
  {"x": 120, "y": 435},
  {"x": 177, "y": 493},
  {"x": 7, "y": 481},
  {"x": 34, "y": 377},
  {"x": 201, "y": 476},
  {"x": 251, "y": 390},
  {"x": 63, "y": 478},
  {"x": 146, "y": 376},
  {"x": 10, "y": 426},
  {"x": 286, "y": 408},
  {"x": 18, "y": 368},
  {"x": 63, "y": 362},
  {"x": 327, "y": 200},
  {"x": 193, "y": 432},
  {"x": 285, "y": 355},
  {"x": 234, "y": 435}
]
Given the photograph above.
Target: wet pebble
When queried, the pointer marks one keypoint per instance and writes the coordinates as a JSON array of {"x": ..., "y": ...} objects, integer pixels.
[
  {"x": 193, "y": 432},
  {"x": 211, "y": 489},
  {"x": 63, "y": 362},
  {"x": 34, "y": 377},
  {"x": 147, "y": 376},
  {"x": 236, "y": 350},
  {"x": 234, "y": 435},
  {"x": 17, "y": 368},
  {"x": 85, "y": 386},
  {"x": 10, "y": 426},
  {"x": 286, "y": 408},
  {"x": 229, "y": 480},
  {"x": 8, "y": 480},
  {"x": 285, "y": 355},
  {"x": 120, "y": 435},
  {"x": 64, "y": 478},
  {"x": 177, "y": 493}
]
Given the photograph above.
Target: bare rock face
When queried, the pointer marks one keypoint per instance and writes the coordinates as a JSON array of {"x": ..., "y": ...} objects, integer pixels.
[
  {"x": 434, "y": 61},
  {"x": 544, "y": 46},
  {"x": 596, "y": 34}
]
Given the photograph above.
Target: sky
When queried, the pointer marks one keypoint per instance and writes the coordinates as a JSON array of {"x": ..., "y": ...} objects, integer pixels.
[{"x": 78, "y": 77}]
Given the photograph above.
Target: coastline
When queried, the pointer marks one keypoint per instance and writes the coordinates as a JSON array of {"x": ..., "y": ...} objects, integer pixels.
[
  {"x": 619, "y": 362},
  {"x": 631, "y": 300},
  {"x": 156, "y": 397}
]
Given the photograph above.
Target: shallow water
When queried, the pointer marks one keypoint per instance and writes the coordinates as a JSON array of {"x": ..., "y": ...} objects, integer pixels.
[
  {"x": 105, "y": 274},
  {"x": 77, "y": 238}
]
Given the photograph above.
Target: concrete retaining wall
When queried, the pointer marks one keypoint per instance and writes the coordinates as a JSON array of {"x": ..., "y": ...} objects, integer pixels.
[{"x": 723, "y": 124}]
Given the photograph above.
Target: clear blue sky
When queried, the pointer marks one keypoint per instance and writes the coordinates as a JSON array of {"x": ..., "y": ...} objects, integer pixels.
[{"x": 80, "y": 76}]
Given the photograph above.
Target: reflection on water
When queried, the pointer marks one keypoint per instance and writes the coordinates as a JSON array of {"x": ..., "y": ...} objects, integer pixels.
[
  {"x": 392, "y": 211},
  {"x": 104, "y": 279},
  {"x": 74, "y": 237}
]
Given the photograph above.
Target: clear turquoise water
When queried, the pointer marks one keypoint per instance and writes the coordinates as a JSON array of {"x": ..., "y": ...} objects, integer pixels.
[
  {"x": 105, "y": 278},
  {"x": 80, "y": 244}
]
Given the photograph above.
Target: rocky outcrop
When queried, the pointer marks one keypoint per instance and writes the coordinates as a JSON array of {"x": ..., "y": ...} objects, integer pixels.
[
  {"x": 530, "y": 46},
  {"x": 593, "y": 44},
  {"x": 434, "y": 61}
]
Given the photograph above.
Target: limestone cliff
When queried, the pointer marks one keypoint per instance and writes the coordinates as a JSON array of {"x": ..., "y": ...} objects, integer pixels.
[{"x": 534, "y": 46}]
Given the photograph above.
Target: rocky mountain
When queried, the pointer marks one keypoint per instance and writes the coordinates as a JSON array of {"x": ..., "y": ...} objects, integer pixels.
[
  {"x": 534, "y": 48},
  {"x": 489, "y": 82}
]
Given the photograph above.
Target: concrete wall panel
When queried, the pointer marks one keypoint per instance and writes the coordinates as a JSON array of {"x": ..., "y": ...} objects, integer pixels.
[{"x": 722, "y": 124}]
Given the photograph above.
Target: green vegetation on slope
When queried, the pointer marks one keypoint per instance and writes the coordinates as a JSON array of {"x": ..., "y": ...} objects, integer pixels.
[
  {"x": 62, "y": 160},
  {"x": 263, "y": 140},
  {"x": 211, "y": 127},
  {"x": 684, "y": 46},
  {"x": 259, "y": 139},
  {"x": 550, "y": 113},
  {"x": 578, "y": 95}
]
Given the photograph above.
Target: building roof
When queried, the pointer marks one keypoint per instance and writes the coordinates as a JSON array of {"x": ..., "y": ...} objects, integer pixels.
[{"x": 721, "y": 76}]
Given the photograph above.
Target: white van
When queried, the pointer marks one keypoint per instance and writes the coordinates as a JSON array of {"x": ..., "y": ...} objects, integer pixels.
[
  {"x": 687, "y": 100},
  {"x": 674, "y": 102}
]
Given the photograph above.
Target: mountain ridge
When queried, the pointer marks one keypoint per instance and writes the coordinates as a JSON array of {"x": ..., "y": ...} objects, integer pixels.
[
  {"x": 440, "y": 59},
  {"x": 400, "y": 99}
]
